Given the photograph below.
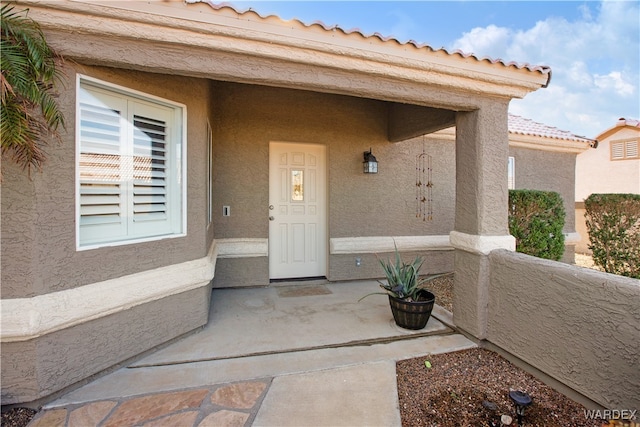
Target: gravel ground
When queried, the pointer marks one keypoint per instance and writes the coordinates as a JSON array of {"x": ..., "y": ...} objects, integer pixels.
[
  {"x": 584, "y": 260},
  {"x": 451, "y": 393},
  {"x": 442, "y": 288},
  {"x": 17, "y": 417}
]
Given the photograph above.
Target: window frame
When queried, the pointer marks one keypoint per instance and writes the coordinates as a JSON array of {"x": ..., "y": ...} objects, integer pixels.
[
  {"x": 209, "y": 175},
  {"x": 511, "y": 173},
  {"x": 178, "y": 136}
]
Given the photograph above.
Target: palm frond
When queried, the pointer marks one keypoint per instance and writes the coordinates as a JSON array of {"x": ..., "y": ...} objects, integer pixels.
[{"x": 30, "y": 113}]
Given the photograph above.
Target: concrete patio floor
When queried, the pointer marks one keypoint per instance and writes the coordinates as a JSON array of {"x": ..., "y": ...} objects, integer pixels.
[{"x": 301, "y": 354}]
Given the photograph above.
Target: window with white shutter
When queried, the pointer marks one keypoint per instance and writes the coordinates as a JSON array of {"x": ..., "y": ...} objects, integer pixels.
[
  {"x": 624, "y": 149},
  {"x": 129, "y": 166}
]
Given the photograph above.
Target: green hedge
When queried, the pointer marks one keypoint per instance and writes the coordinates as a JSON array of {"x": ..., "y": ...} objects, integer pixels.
[
  {"x": 536, "y": 220},
  {"x": 613, "y": 223}
]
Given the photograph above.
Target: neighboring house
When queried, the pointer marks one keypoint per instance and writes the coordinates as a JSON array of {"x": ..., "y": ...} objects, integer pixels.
[
  {"x": 205, "y": 144},
  {"x": 544, "y": 158},
  {"x": 611, "y": 166}
]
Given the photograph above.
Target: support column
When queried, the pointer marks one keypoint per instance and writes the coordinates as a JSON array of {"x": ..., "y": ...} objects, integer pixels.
[{"x": 481, "y": 223}]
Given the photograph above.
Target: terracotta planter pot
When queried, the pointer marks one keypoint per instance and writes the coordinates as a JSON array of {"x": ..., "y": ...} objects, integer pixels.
[{"x": 412, "y": 314}]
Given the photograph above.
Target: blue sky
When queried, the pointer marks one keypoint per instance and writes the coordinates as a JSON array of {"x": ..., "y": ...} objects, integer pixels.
[{"x": 593, "y": 47}]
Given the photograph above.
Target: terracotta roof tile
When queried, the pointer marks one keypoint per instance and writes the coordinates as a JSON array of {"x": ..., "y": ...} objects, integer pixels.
[
  {"x": 522, "y": 126},
  {"x": 543, "y": 69}
]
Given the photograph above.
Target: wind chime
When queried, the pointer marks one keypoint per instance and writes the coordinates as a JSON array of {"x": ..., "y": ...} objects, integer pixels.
[{"x": 424, "y": 186}]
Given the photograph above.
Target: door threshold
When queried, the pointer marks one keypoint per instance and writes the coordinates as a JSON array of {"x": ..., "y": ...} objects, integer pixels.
[{"x": 315, "y": 280}]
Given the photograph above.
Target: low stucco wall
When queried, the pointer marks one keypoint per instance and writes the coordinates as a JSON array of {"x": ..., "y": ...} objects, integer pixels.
[
  {"x": 577, "y": 325},
  {"x": 42, "y": 366},
  {"x": 241, "y": 272},
  {"x": 344, "y": 267}
]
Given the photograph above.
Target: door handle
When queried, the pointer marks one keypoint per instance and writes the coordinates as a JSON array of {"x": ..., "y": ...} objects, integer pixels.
[
  {"x": 271, "y": 218},
  {"x": 271, "y": 207}
]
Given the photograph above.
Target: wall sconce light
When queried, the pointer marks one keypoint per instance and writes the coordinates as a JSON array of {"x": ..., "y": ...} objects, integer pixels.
[{"x": 370, "y": 163}]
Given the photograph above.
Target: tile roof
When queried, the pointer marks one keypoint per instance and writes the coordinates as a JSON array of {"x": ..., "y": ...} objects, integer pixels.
[
  {"x": 356, "y": 32},
  {"x": 522, "y": 126}
]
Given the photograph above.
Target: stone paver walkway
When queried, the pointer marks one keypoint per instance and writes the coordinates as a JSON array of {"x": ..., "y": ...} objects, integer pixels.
[{"x": 221, "y": 405}]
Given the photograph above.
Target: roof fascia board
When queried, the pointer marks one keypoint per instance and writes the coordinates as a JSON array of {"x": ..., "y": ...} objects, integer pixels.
[
  {"x": 611, "y": 131},
  {"x": 304, "y": 45},
  {"x": 525, "y": 141},
  {"x": 547, "y": 144}
]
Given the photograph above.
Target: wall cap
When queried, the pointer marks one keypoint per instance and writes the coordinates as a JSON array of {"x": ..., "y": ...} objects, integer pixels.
[
  {"x": 373, "y": 244},
  {"x": 28, "y": 318},
  {"x": 482, "y": 245}
]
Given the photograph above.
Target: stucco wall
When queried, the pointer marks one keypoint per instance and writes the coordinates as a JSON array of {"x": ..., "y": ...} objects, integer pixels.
[
  {"x": 249, "y": 117},
  {"x": 38, "y": 215},
  {"x": 578, "y": 325},
  {"x": 41, "y": 266},
  {"x": 548, "y": 171}
]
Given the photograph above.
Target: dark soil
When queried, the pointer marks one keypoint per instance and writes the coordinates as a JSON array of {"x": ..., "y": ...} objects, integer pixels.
[
  {"x": 451, "y": 393},
  {"x": 17, "y": 417}
]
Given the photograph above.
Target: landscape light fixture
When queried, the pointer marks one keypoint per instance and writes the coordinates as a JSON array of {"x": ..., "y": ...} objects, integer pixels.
[
  {"x": 521, "y": 400},
  {"x": 370, "y": 164}
]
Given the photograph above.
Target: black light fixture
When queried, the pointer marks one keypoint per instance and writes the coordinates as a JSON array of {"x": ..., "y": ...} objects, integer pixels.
[
  {"x": 370, "y": 164},
  {"x": 521, "y": 400}
]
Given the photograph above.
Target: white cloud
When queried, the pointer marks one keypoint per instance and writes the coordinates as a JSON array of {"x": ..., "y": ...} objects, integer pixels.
[
  {"x": 578, "y": 73},
  {"x": 614, "y": 81},
  {"x": 594, "y": 60},
  {"x": 491, "y": 41}
]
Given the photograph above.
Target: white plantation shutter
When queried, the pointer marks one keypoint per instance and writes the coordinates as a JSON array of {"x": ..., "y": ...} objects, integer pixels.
[
  {"x": 102, "y": 199},
  {"x": 617, "y": 150},
  {"x": 127, "y": 171},
  {"x": 631, "y": 149},
  {"x": 150, "y": 212}
]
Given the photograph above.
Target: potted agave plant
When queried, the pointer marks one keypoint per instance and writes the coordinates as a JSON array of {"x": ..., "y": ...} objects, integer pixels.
[{"x": 411, "y": 304}]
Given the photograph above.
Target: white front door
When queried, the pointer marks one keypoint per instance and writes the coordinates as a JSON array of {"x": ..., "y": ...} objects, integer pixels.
[{"x": 297, "y": 210}]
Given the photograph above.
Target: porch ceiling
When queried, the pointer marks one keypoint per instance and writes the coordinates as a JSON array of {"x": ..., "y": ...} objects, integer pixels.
[{"x": 200, "y": 41}]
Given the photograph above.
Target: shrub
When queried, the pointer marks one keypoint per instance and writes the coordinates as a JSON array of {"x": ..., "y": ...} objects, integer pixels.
[
  {"x": 613, "y": 223},
  {"x": 536, "y": 220}
]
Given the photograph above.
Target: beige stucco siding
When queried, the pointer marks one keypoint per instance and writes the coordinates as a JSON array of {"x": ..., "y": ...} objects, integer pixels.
[
  {"x": 547, "y": 171},
  {"x": 38, "y": 214},
  {"x": 597, "y": 173}
]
